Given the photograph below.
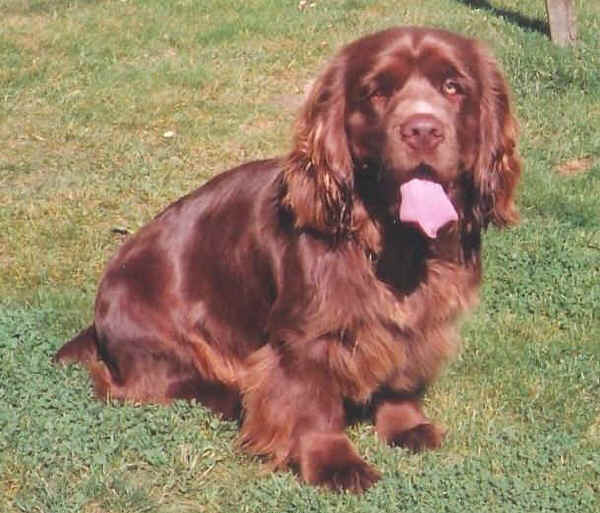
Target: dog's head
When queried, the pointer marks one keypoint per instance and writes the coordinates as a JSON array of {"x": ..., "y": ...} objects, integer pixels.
[{"x": 403, "y": 104}]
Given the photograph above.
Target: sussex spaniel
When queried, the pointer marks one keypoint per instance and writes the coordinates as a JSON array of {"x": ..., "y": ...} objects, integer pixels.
[{"x": 283, "y": 291}]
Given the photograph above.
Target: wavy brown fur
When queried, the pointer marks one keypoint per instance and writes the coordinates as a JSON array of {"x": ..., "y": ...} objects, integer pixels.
[{"x": 288, "y": 289}]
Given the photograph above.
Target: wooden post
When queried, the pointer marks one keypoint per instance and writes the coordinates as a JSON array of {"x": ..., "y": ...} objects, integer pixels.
[{"x": 561, "y": 18}]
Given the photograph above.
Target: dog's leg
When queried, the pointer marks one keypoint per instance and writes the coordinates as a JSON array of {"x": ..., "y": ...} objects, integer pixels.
[
  {"x": 400, "y": 421},
  {"x": 294, "y": 415}
]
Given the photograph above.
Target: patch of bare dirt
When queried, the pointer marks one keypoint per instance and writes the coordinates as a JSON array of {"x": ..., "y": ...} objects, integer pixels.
[
  {"x": 292, "y": 102},
  {"x": 575, "y": 166}
]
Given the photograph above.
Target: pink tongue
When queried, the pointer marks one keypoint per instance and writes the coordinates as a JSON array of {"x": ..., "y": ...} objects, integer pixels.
[{"x": 425, "y": 204}]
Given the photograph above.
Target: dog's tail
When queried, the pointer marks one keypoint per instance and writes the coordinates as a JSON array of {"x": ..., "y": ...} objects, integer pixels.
[{"x": 82, "y": 348}]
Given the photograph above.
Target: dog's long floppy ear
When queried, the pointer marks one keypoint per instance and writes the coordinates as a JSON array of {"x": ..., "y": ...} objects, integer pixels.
[
  {"x": 318, "y": 174},
  {"x": 498, "y": 165}
]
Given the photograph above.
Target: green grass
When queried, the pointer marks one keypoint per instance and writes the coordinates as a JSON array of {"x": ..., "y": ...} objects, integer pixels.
[{"x": 88, "y": 91}]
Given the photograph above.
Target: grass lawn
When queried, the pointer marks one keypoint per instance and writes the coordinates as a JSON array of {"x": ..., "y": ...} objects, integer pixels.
[{"x": 109, "y": 110}]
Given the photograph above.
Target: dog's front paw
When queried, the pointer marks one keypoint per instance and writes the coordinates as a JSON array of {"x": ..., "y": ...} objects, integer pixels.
[
  {"x": 401, "y": 422},
  {"x": 355, "y": 476},
  {"x": 419, "y": 438},
  {"x": 330, "y": 460}
]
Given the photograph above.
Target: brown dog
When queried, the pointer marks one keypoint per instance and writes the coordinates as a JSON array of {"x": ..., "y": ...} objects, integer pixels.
[{"x": 292, "y": 287}]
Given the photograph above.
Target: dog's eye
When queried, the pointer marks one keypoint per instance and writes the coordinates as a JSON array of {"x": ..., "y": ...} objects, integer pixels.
[
  {"x": 451, "y": 87},
  {"x": 378, "y": 97}
]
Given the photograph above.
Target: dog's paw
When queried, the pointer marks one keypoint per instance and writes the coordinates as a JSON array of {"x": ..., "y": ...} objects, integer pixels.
[
  {"x": 419, "y": 438},
  {"x": 329, "y": 460},
  {"x": 355, "y": 476}
]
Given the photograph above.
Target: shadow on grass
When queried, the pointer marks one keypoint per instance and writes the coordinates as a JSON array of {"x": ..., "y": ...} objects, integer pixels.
[{"x": 514, "y": 17}]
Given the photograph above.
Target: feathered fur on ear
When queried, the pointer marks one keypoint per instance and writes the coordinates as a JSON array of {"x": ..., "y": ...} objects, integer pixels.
[
  {"x": 498, "y": 165},
  {"x": 318, "y": 174}
]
